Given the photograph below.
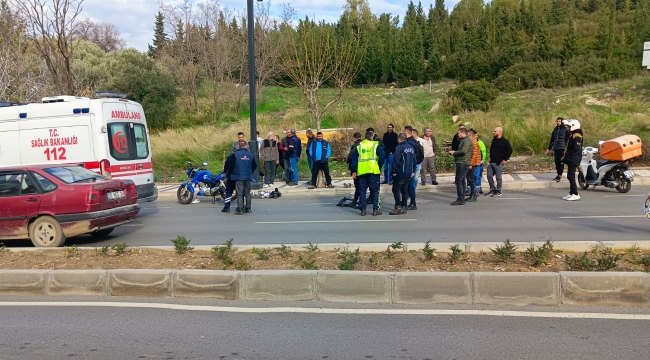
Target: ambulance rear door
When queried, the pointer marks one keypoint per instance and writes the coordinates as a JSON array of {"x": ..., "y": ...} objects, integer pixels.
[{"x": 9, "y": 139}]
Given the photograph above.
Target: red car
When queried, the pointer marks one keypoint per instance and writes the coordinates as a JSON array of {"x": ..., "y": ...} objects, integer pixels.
[{"x": 49, "y": 203}]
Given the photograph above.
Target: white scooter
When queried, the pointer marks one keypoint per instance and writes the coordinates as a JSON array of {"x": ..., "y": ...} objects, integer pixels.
[{"x": 613, "y": 174}]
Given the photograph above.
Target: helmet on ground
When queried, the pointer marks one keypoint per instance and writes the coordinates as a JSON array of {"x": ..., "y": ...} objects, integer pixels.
[{"x": 572, "y": 124}]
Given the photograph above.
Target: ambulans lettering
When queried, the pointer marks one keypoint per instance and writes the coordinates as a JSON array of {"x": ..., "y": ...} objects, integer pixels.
[{"x": 130, "y": 115}]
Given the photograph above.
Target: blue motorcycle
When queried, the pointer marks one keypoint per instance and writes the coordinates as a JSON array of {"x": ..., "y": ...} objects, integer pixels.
[{"x": 201, "y": 182}]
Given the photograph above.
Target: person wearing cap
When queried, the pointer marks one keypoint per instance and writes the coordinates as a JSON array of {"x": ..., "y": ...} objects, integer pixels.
[{"x": 557, "y": 144}]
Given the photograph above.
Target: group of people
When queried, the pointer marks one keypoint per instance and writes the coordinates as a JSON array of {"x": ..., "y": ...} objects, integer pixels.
[{"x": 404, "y": 158}]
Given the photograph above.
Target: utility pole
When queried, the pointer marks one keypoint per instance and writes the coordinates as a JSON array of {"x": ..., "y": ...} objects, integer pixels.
[{"x": 253, "y": 145}]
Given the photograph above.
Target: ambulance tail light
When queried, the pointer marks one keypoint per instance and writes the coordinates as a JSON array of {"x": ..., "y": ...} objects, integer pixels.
[{"x": 105, "y": 168}]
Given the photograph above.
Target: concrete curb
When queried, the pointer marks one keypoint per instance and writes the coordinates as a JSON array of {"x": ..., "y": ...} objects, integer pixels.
[
  {"x": 387, "y": 189},
  {"x": 547, "y": 289}
]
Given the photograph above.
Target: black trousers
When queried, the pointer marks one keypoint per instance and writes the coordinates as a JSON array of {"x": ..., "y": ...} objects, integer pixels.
[
  {"x": 318, "y": 166},
  {"x": 559, "y": 165},
  {"x": 471, "y": 180},
  {"x": 401, "y": 190},
  {"x": 571, "y": 176},
  {"x": 230, "y": 188}
]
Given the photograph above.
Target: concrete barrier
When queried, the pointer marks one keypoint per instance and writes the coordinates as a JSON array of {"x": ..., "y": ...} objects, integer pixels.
[
  {"x": 354, "y": 286},
  {"x": 423, "y": 288},
  {"x": 149, "y": 283},
  {"x": 206, "y": 284},
  {"x": 605, "y": 289},
  {"x": 279, "y": 285},
  {"x": 77, "y": 283},
  {"x": 563, "y": 288},
  {"x": 22, "y": 282},
  {"x": 516, "y": 288}
]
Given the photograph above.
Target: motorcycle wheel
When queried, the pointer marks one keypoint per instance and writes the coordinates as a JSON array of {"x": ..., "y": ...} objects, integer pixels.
[
  {"x": 184, "y": 195},
  {"x": 582, "y": 182},
  {"x": 624, "y": 186}
]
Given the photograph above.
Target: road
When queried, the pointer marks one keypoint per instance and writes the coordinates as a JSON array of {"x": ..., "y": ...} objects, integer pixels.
[
  {"x": 531, "y": 215},
  {"x": 195, "y": 329}
]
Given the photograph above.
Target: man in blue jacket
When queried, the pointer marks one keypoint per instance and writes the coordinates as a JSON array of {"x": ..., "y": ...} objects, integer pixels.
[
  {"x": 403, "y": 169},
  {"x": 241, "y": 171},
  {"x": 319, "y": 152}
]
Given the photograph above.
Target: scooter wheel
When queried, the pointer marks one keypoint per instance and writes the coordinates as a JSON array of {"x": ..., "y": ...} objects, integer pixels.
[
  {"x": 184, "y": 195},
  {"x": 582, "y": 182},
  {"x": 624, "y": 185}
]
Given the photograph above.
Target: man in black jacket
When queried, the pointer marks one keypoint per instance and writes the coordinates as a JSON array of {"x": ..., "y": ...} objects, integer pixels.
[
  {"x": 357, "y": 140},
  {"x": 557, "y": 144},
  {"x": 390, "y": 144},
  {"x": 500, "y": 151},
  {"x": 572, "y": 157},
  {"x": 456, "y": 141},
  {"x": 403, "y": 168}
]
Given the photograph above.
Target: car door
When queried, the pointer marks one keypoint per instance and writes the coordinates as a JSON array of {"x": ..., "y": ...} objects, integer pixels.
[{"x": 20, "y": 198}]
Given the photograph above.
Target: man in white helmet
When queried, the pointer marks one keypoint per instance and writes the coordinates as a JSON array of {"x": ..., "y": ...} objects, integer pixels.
[{"x": 572, "y": 156}]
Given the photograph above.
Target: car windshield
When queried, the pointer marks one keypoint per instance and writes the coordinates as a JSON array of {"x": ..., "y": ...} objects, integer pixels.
[{"x": 73, "y": 174}]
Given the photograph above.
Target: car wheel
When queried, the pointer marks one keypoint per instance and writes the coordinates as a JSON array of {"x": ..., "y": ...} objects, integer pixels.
[
  {"x": 582, "y": 182},
  {"x": 102, "y": 233},
  {"x": 184, "y": 195},
  {"x": 45, "y": 231}
]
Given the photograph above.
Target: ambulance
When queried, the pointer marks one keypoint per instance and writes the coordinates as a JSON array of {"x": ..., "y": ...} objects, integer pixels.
[{"x": 108, "y": 135}]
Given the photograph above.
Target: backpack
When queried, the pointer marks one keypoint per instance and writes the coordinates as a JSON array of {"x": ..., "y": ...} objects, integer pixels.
[
  {"x": 346, "y": 201},
  {"x": 419, "y": 153}
]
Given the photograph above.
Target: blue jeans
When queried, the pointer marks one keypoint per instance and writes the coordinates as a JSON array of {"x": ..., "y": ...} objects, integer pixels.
[
  {"x": 369, "y": 181},
  {"x": 478, "y": 174},
  {"x": 414, "y": 182},
  {"x": 388, "y": 167},
  {"x": 310, "y": 162},
  {"x": 294, "y": 169}
]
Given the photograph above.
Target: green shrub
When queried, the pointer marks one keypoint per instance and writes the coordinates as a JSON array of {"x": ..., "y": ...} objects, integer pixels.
[
  {"x": 475, "y": 95},
  {"x": 505, "y": 252},
  {"x": 540, "y": 255},
  {"x": 223, "y": 253},
  {"x": 428, "y": 251},
  {"x": 181, "y": 245},
  {"x": 456, "y": 254},
  {"x": 349, "y": 259}
]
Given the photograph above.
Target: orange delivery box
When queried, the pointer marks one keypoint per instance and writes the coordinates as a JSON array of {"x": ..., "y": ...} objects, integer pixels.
[{"x": 621, "y": 148}]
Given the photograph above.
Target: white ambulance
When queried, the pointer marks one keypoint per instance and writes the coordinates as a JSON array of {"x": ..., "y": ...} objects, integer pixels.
[{"x": 108, "y": 135}]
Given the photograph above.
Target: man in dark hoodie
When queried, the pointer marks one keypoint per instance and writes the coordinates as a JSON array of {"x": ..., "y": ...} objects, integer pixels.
[
  {"x": 500, "y": 151},
  {"x": 572, "y": 157},
  {"x": 390, "y": 143},
  {"x": 310, "y": 137},
  {"x": 419, "y": 155},
  {"x": 557, "y": 144},
  {"x": 463, "y": 157},
  {"x": 403, "y": 168}
]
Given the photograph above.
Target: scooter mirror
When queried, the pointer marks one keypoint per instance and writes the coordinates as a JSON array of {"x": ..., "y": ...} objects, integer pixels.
[{"x": 205, "y": 164}]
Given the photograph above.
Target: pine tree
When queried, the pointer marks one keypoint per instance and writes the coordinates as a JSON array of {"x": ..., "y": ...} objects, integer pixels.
[
  {"x": 569, "y": 45},
  {"x": 409, "y": 55},
  {"x": 159, "y": 36},
  {"x": 542, "y": 43}
]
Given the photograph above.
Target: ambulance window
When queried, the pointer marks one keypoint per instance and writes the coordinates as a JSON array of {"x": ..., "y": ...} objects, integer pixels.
[
  {"x": 141, "y": 146},
  {"x": 119, "y": 136}
]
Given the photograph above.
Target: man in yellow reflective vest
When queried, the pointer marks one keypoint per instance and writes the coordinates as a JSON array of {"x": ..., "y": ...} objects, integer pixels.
[{"x": 367, "y": 160}]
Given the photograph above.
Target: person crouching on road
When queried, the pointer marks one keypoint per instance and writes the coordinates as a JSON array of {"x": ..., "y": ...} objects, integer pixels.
[
  {"x": 357, "y": 141},
  {"x": 242, "y": 173},
  {"x": 403, "y": 168},
  {"x": 367, "y": 162},
  {"x": 319, "y": 152},
  {"x": 462, "y": 157}
]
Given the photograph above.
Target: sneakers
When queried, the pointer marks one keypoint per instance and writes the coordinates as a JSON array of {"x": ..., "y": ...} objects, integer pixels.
[
  {"x": 411, "y": 207},
  {"x": 311, "y": 187},
  {"x": 376, "y": 212},
  {"x": 489, "y": 193},
  {"x": 292, "y": 183},
  {"x": 496, "y": 193},
  {"x": 573, "y": 198},
  {"x": 247, "y": 210},
  {"x": 434, "y": 183},
  {"x": 330, "y": 186},
  {"x": 557, "y": 178},
  {"x": 456, "y": 203},
  {"x": 566, "y": 197}
]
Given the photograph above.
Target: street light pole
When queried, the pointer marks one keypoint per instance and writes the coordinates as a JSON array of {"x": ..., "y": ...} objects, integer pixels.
[{"x": 253, "y": 144}]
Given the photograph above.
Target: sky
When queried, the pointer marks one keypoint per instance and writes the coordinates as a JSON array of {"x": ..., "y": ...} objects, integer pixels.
[{"x": 135, "y": 18}]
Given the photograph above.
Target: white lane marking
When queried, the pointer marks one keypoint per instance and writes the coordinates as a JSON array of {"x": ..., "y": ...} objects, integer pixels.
[
  {"x": 331, "y": 221},
  {"x": 615, "y": 196},
  {"x": 298, "y": 310},
  {"x": 319, "y": 204},
  {"x": 602, "y": 216}
]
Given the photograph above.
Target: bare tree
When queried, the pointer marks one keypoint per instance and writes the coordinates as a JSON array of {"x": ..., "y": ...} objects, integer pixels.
[
  {"x": 52, "y": 24},
  {"x": 23, "y": 76},
  {"x": 317, "y": 57},
  {"x": 105, "y": 35}
]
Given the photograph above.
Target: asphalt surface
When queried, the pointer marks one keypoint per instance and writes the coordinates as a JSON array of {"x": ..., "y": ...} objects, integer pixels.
[
  {"x": 118, "y": 331},
  {"x": 523, "y": 215}
]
